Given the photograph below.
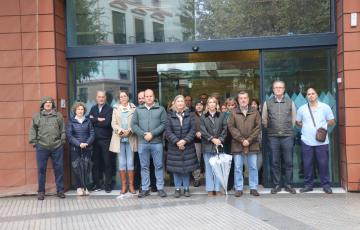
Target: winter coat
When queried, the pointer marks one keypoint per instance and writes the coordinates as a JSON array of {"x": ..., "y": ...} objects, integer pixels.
[
  {"x": 244, "y": 127},
  {"x": 47, "y": 129},
  {"x": 116, "y": 125},
  {"x": 103, "y": 129},
  {"x": 181, "y": 161},
  {"x": 78, "y": 133},
  {"x": 212, "y": 127}
]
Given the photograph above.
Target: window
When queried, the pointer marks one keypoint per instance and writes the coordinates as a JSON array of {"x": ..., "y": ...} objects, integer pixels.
[
  {"x": 158, "y": 29},
  {"x": 139, "y": 31},
  {"x": 119, "y": 27}
]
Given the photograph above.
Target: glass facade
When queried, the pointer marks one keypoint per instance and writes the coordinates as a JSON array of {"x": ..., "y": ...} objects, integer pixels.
[{"x": 102, "y": 22}]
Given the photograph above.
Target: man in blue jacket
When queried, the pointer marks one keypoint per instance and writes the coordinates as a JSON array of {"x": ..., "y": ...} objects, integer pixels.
[{"x": 148, "y": 123}]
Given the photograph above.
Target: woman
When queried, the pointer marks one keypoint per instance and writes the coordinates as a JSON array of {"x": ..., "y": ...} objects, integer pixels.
[
  {"x": 180, "y": 132},
  {"x": 213, "y": 132},
  {"x": 81, "y": 135},
  {"x": 123, "y": 141}
]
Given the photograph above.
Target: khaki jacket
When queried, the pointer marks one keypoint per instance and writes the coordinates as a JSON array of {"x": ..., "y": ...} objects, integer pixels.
[{"x": 116, "y": 125}]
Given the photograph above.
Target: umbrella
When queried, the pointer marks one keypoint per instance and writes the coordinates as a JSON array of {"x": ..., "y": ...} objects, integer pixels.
[
  {"x": 77, "y": 167},
  {"x": 221, "y": 164},
  {"x": 85, "y": 167}
]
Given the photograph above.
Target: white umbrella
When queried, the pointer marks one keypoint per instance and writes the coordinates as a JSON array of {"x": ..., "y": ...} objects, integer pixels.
[{"x": 221, "y": 164}]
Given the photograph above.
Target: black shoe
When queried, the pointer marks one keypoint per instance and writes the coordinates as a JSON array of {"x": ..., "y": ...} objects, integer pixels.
[
  {"x": 238, "y": 193},
  {"x": 306, "y": 189},
  {"x": 108, "y": 189},
  {"x": 187, "y": 192},
  {"x": 254, "y": 192},
  {"x": 153, "y": 189},
  {"x": 41, "y": 196},
  {"x": 327, "y": 190},
  {"x": 162, "y": 193},
  {"x": 275, "y": 189},
  {"x": 196, "y": 183},
  {"x": 96, "y": 188},
  {"x": 177, "y": 193},
  {"x": 290, "y": 189},
  {"x": 61, "y": 195},
  {"x": 144, "y": 193}
]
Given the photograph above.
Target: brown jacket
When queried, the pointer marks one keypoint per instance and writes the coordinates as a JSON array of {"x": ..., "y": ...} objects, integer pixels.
[{"x": 244, "y": 127}]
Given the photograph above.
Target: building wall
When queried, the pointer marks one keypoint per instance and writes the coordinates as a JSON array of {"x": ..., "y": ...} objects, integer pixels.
[
  {"x": 349, "y": 93},
  {"x": 33, "y": 64}
]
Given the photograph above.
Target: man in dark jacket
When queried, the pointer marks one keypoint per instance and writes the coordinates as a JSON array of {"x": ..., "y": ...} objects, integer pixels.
[
  {"x": 100, "y": 116},
  {"x": 47, "y": 135},
  {"x": 148, "y": 123}
]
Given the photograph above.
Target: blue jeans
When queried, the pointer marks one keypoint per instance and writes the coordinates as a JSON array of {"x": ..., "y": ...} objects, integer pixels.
[
  {"x": 57, "y": 156},
  {"x": 156, "y": 151},
  {"x": 126, "y": 157},
  {"x": 182, "y": 179},
  {"x": 238, "y": 170},
  {"x": 211, "y": 182}
]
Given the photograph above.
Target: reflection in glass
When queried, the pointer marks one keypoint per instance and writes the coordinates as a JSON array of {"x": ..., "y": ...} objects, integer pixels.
[{"x": 134, "y": 21}]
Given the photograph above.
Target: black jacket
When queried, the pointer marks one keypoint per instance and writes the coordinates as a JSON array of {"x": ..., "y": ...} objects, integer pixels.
[
  {"x": 212, "y": 127},
  {"x": 77, "y": 132},
  {"x": 103, "y": 130},
  {"x": 181, "y": 161}
]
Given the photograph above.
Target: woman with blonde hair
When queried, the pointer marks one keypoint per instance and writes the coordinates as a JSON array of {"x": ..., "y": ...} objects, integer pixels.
[{"x": 124, "y": 141}]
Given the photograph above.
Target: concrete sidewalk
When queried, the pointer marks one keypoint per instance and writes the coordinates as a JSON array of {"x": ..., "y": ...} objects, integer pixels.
[{"x": 281, "y": 211}]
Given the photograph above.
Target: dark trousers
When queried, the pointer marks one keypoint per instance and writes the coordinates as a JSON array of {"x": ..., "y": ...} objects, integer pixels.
[
  {"x": 57, "y": 156},
  {"x": 281, "y": 148},
  {"x": 102, "y": 162},
  {"x": 321, "y": 153},
  {"x": 137, "y": 171},
  {"x": 75, "y": 154}
]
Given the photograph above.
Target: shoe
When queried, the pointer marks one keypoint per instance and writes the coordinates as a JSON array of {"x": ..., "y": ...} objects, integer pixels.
[
  {"x": 275, "y": 189},
  {"x": 144, "y": 193},
  {"x": 96, "y": 188},
  {"x": 86, "y": 192},
  {"x": 41, "y": 196},
  {"x": 254, "y": 192},
  {"x": 108, "y": 189},
  {"x": 210, "y": 194},
  {"x": 80, "y": 192},
  {"x": 218, "y": 193},
  {"x": 177, "y": 193},
  {"x": 196, "y": 183},
  {"x": 238, "y": 193},
  {"x": 290, "y": 189},
  {"x": 61, "y": 195},
  {"x": 162, "y": 193},
  {"x": 327, "y": 190},
  {"x": 187, "y": 192},
  {"x": 154, "y": 189},
  {"x": 306, "y": 189}
]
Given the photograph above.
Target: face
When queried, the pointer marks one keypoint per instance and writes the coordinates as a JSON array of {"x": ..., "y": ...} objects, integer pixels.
[
  {"x": 243, "y": 99},
  {"x": 124, "y": 99},
  {"x": 254, "y": 105},
  {"x": 278, "y": 88},
  {"x": 212, "y": 105},
  {"x": 188, "y": 101},
  {"x": 199, "y": 107},
  {"x": 223, "y": 109},
  {"x": 80, "y": 111},
  {"x": 100, "y": 98},
  {"x": 141, "y": 98},
  {"x": 180, "y": 104},
  {"x": 311, "y": 95},
  {"x": 48, "y": 106},
  {"x": 203, "y": 97},
  {"x": 149, "y": 97},
  {"x": 231, "y": 105}
]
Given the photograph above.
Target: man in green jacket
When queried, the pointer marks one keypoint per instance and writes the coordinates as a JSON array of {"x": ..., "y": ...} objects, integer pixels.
[{"x": 47, "y": 135}]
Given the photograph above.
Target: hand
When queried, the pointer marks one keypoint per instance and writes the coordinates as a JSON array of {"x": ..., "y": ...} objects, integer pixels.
[
  {"x": 91, "y": 116},
  {"x": 181, "y": 143},
  {"x": 182, "y": 147},
  {"x": 126, "y": 132},
  {"x": 216, "y": 141},
  {"x": 245, "y": 143},
  {"x": 198, "y": 135},
  {"x": 101, "y": 119},
  {"x": 83, "y": 145},
  {"x": 148, "y": 136}
]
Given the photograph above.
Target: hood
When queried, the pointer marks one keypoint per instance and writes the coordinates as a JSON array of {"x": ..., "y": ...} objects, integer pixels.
[{"x": 45, "y": 99}]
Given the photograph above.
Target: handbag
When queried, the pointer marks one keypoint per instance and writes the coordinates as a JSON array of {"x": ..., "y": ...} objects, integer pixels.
[{"x": 320, "y": 132}]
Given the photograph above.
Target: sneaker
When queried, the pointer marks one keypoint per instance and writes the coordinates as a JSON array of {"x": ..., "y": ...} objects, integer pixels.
[
  {"x": 80, "y": 191},
  {"x": 187, "y": 192},
  {"x": 177, "y": 193},
  {"x": 96, "y": 188},
  {"x": 196, "y": 183},
  {"x": 306, "y": 189},
  {"x": 162, "y": 193},
  {"x": 86, "y": 192},
  {"x": 143, "y": 193},
  {"x": 108, "y": 189},
  {"x": 41, "y": 196},
  {"x": 61, "y": 195},
  {"x": 254, "y": 192},
  {"x": 290, "y": 189},
  {"x": 275, "y": 189},
  {"x": 327, "y": 190},
  {"x": 238, "y": 193}
]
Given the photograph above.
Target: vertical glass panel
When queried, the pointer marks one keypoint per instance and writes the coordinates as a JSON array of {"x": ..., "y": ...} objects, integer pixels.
[
  {"x": 93, "y": 22},
  {"x": 301, "y": 69}
]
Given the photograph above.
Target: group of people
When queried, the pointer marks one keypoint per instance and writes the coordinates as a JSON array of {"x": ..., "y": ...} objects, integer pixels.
[{"x": 190, "y": 133}]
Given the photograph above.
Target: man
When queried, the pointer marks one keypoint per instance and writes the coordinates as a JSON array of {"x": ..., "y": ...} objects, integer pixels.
[
  {"x": 278, "y": 117},
  {"x": 244, "y": 125},
  {"x": 188, "y": 103},
  {"x": 148, "y": 123},
  {"x": 100, "y": 116},
  {"x": 199, "y": 109},
  {"x": 310, "y": 147},
  {"x": 47, "y": 135}
]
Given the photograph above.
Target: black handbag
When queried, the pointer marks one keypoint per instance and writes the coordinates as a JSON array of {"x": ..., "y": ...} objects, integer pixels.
[{"x": 320, "y": 132}]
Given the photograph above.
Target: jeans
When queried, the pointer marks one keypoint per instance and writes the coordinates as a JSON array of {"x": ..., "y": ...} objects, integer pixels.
[
  {"x": 181, "y": 179},
  {"x": 156, "y": 151},
  {"x": 321, "y": 154},
  {"x": 57, "y": 156},
  {"x": 126, "y": 158},
  {"x": 103, "y": 161},
  {"x": 282, "y": 147},
  {"x": 211, "y": 182},
  {"x": 253, "y": 172}
]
